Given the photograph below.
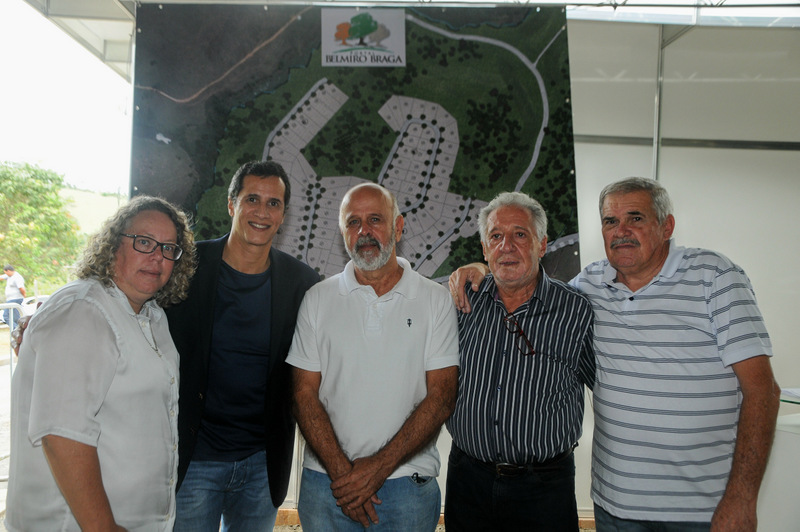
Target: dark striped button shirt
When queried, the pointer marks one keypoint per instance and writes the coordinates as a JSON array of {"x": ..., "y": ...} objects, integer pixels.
[{"x": 520, "y": 408}]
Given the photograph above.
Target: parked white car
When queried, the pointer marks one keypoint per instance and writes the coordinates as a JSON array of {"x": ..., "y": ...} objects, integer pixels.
[{"x": 30, "y": 304}]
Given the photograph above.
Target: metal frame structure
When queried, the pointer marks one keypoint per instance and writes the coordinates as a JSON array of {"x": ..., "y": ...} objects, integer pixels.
[{"x": 107, "y": 28}]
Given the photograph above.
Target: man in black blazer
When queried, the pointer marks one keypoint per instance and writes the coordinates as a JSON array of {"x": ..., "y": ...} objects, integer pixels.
[{"x": 233, "y": 333}]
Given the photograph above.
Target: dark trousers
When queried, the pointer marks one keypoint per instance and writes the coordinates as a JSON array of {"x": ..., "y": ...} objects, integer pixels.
[{"x": 479, "y": 499}]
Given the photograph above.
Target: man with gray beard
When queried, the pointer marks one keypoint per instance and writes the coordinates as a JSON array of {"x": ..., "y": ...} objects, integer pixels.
[{"x": 375, "y": 352}]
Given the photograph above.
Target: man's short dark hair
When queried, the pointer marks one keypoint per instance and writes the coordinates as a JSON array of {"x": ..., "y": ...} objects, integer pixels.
[
  {"x": 8, "y": 268},
  {"x": 261, "y": 169}
]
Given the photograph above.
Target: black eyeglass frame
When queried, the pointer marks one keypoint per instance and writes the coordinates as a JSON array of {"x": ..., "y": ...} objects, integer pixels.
[
  {"x": 513, "y": 327},
  {"x": 158, "y": 245}
]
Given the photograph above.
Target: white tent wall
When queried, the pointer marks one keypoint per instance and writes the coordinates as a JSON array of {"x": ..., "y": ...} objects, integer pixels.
[{"x": 720, "y": 84}]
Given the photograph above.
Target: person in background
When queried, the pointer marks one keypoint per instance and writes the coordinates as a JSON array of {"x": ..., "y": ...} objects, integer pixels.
[
  {"x": 15, "y": 293},
  {"x": 94, "y": 430},
  {"x": 685, "y": 401},
  {"x": 376, "y": 369},
  {"x": 526, "y": 356},
  {"x": 233, "y": 333}
]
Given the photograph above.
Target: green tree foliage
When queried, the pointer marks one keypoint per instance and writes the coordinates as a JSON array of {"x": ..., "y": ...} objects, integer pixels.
[
  {"x": 362, "y": 25},
  {"x": 37, "y": 235}
]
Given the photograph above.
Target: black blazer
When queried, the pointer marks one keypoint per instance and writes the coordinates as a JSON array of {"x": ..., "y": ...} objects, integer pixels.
[{"x": 190, "y": 323}]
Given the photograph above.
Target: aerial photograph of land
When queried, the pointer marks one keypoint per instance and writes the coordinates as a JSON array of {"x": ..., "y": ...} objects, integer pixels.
[{"x": 481, "y": 106}]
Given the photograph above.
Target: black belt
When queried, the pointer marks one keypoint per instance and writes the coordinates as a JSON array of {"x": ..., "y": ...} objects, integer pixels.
[{"x": 504, "y": 469}]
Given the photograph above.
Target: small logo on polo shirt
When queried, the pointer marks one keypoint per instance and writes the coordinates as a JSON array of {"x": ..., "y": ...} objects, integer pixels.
[{"x": 408, "y": 321}]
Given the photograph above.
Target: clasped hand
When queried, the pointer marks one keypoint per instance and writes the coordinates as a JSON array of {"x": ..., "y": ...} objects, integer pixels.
[{"x": 356, "y": 491}]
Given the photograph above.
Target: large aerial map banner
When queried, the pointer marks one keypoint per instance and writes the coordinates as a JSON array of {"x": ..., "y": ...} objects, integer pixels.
[{"x": 472, "y": 102}]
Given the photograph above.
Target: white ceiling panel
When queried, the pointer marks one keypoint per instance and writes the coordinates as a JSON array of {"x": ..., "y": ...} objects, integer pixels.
[{"x": 104, "y": 27}]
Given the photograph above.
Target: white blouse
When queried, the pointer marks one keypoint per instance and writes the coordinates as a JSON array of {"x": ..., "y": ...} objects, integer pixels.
[{"x": 93, "y": 371}]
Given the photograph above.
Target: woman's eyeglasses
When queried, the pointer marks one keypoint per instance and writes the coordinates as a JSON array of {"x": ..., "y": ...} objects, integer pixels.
[{"x": 145, "y": 244}]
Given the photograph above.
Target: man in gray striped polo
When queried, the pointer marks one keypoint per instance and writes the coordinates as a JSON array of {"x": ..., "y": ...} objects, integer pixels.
[
  {"x": 526, "y": 355},
  {"x": 685, "y": 401}
]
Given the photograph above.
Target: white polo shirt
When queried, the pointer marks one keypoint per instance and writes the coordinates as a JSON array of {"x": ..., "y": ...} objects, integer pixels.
[{"x": 373, "y": 353}]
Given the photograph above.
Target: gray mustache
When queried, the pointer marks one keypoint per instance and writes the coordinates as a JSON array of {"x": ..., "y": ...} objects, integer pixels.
[
  {"x": 367, "y": 241},
  {"x": 622, "y": 241}
]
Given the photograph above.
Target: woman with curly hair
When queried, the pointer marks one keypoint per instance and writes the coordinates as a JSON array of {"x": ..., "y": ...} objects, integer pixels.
[{"x": 95, "y": 394}]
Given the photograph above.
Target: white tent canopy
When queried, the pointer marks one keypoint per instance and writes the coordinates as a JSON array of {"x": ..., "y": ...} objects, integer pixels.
[{"x": 107, "y": 27}]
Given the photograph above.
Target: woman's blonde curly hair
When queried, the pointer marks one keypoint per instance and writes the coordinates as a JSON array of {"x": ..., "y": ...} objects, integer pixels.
[{"x": 99, "y": 256}]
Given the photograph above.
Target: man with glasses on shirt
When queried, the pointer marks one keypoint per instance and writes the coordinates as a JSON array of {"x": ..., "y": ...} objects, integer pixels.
[{"x": 526, "y": 355}]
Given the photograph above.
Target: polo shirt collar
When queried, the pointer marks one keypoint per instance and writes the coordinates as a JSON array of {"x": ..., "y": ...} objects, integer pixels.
[
  {"x": 673, "y": 261},
  {"x": 669, "y": 268},
  {"x": 407, "y": 286}
]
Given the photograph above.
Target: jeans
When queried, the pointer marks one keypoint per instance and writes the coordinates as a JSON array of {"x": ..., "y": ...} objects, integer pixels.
[
  {"x": 407, "y": 505},
  {"x": 238, "y": 492},
  {"x": 605, "y": 522},
  {"x": 14, "y": 316},
  {"x": 478, "y": 499}
]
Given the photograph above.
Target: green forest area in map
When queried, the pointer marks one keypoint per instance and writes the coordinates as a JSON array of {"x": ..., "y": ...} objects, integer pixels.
[{"x": 494, "y": 98}]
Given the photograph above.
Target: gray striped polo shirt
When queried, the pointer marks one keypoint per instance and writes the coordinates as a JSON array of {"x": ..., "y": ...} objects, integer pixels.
[{"x": 666, "y": 400}]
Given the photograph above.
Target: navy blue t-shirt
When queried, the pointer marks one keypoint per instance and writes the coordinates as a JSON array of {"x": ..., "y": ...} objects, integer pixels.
[{"x": 233, "y": 422}]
